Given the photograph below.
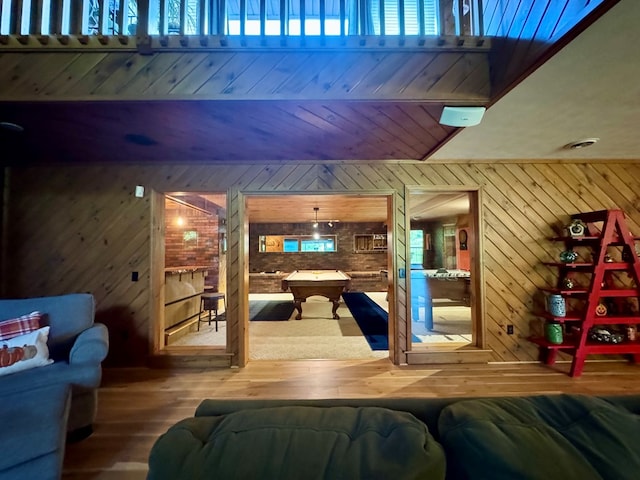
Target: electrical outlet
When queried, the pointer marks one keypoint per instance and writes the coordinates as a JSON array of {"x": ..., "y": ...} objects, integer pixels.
[{"x": 509, "y": 329}]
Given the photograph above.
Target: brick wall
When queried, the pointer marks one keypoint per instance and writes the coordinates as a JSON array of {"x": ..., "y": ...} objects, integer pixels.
[
  {"x": 345, "y": 258},
  {"x": 181, "y": 251}
]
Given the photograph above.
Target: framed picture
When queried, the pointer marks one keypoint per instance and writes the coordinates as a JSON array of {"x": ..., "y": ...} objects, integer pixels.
[
  {"x": 463, "y": 239},
  {"x": 190, "y": 238}
]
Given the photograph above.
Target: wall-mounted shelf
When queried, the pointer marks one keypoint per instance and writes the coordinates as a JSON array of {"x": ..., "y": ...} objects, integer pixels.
[{"x": 370, "y": 242}]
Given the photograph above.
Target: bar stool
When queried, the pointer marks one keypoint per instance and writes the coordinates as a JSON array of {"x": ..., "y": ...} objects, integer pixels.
[{"x": 209, "y": 302}]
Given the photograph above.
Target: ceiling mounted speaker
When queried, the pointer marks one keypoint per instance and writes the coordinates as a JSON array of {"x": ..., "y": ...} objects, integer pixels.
[{"x": 462, "y": 116}]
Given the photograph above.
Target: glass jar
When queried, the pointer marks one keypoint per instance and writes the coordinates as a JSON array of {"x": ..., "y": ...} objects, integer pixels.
[{"x": 553, "y": 333}]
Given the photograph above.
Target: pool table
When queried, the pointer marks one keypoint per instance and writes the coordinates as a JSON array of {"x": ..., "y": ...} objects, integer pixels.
[{"x": 306, "y": 283}]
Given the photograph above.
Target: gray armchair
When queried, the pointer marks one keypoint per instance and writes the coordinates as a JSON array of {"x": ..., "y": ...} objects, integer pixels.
[{"x": 77, "y": 345}]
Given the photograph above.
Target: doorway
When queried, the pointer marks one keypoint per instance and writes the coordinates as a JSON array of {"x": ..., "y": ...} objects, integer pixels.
[
  {"x": 308, "y": 232},
  {"x": 195, "y": 246},
  {"x": 443, "y": 230}
]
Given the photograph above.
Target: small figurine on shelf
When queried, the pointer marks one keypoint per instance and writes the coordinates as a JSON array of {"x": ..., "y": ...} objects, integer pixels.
[
  {"x": 608, "y": 258},
  {"x": 568, "y": 256},
  {"x": 568, "y": 283},
  {"x": 601, "y": 310},
  {"x": 577, "y": 228},
  {"x": 631, "y": 333}
]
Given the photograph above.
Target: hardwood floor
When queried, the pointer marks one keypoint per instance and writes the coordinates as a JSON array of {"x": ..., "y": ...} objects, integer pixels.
[{"x": 137, "y": 405}]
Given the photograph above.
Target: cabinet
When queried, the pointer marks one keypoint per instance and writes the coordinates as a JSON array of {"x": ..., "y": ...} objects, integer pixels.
[
  {"x": 370, "y": 242},
  {"x": 604, "y": 294}
]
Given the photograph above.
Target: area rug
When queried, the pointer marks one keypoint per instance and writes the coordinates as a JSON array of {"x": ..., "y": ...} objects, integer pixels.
[
  {"x": 372, "y": 319},
  {"x": 270, "y": 310}
]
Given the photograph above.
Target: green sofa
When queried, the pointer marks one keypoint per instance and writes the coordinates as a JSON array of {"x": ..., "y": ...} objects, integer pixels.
[{"x": 536, "y": 437}]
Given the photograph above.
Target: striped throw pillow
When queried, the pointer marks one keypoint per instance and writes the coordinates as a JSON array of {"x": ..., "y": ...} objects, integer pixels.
[{"x": 14, "y": 327}]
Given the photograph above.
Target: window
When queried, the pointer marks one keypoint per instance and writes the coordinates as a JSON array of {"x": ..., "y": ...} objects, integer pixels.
[
  {"x": 320, "y": 245},
  {"x": 416, "y": 247},
  {"x": 297, "y": 243}
]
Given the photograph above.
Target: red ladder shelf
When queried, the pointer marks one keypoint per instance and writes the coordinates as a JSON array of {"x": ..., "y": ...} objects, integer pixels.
[{"x": 606, "y": 233}]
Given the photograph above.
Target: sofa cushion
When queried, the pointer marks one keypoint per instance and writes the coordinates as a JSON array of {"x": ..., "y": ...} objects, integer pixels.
[
  {"x": 33, "y": 432},
  {"x": 299, "y": 442},
  {"x": 550, "y": 437},
  {"x": 67, "y": 315},
  {"x": 14, "y": 327},
  {"x": 25, "y": 352}
]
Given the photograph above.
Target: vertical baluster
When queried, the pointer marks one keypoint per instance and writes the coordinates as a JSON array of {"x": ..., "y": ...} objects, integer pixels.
[
  {"x": 459, "y": 18},
  {"x": 263, "y": 18},
  {"x": 343, "y": 18},
  {"x": 162, "y": 17},
  {"x": 401, "y": 19},
  {"x": 303, "y": 7},
  {"x": 382, "y": 18},
  {"x": 442, "y": 27},
  {"x": 103, "y": 17},
  {"x": 221, "y": 15},
  {"x": 123, "y": 22},
  {"x": 243, "y": 18},
  {"x": 284, "y": 19},
  {"x": 183, "y": 17},
  {"x": 16, "y": 17},
  {"x": 323, "y": 17},
  {"x": 362, "y": 29},
  {"x": 55, "y": 17},
  {"x": 202, "y": 15},
  {"x": 478, "y": 24},
  {"x": 35, "y": 19},
  {"x": 142, "y": 21},
  {"x": 421, "y": 25},
  {"x": 75, "y": 18}
]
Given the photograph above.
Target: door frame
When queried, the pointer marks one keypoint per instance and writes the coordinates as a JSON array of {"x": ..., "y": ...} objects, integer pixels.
[
  {"x": 243, "y": 262},
  {"x": 476, "y": 249}
]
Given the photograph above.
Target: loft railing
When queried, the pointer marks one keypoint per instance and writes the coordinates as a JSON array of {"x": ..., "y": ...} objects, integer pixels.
[{"x": 241, "y": 17}]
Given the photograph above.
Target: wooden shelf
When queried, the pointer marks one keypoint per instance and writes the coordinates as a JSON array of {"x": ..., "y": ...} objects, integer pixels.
[
  {"x": 370, "y": 242},
  {"x": 612, "y": 233}
]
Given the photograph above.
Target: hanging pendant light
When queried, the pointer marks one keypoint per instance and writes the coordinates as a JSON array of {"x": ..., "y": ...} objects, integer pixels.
[{"x": 316, "y": 235}]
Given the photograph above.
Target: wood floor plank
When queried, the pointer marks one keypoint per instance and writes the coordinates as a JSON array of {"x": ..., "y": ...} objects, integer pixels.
[{"x": 137, "y": 405}]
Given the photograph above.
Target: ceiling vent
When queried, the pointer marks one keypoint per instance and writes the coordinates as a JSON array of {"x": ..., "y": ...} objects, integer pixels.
[
  {"x": 462, "y": 116},
  {"x": 584, "y": 143}
]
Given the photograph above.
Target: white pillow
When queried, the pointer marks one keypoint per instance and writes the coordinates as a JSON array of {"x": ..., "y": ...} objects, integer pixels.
[{"x": 24, "y": 352}]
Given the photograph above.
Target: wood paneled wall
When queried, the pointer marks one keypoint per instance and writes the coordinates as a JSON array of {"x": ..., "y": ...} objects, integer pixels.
[{"x": 81, "y": 229}]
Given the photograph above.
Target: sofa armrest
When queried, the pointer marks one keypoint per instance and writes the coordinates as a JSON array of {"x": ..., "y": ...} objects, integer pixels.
[{"x": 91, "y": 346}]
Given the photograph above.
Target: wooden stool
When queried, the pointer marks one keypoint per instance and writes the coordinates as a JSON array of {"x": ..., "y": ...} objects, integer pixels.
[{"x": 209, "y": 302}]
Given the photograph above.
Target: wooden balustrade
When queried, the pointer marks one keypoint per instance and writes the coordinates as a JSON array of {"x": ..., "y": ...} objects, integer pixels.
[{"x": 303, "y": 18}]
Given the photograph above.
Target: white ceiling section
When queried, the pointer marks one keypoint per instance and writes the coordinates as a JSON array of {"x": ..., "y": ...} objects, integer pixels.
[{"x": 591, "y": 88}]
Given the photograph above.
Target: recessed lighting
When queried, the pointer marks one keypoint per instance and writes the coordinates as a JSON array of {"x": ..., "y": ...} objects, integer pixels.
[
  {"x": 12, "y": 127},
  {"x": 584, "y": 143}
]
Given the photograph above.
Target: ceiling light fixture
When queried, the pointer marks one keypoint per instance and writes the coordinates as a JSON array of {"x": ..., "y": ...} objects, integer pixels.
[
  {"x": 584, "y": 143},
  {"x": 462, "y": 116}
]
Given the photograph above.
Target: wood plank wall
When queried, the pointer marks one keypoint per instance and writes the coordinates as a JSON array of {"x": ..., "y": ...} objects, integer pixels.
[{"x": 81, "y": 229}]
